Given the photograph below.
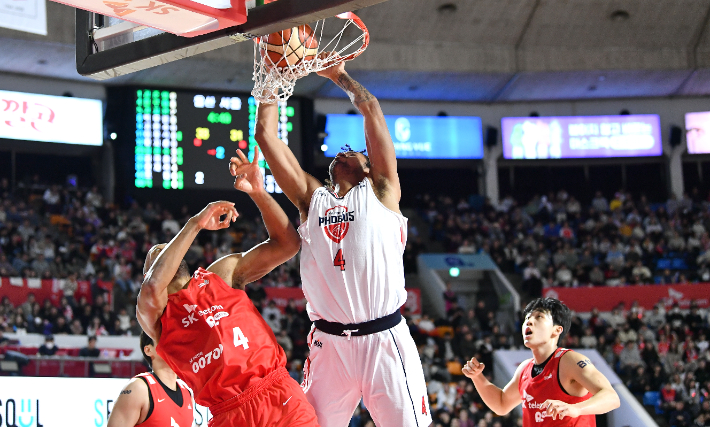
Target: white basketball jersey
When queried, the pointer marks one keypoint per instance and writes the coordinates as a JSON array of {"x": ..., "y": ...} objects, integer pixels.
[{"x": 351, "y": 256}]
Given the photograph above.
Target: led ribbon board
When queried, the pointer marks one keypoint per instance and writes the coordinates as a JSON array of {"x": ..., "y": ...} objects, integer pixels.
[
  {"x": 414, "y": 137},
  {"x": 581, "y": 137},
  {"x": 697, "y": 132},
  {"x": 32, "y": 117}
]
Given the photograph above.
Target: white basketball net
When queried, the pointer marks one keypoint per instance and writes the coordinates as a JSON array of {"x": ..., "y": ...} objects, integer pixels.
[{"x": 272, "y": 84}]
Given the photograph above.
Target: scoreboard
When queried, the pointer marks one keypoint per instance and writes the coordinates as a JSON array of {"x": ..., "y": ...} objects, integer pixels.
[{"x": 184, "y": 139}]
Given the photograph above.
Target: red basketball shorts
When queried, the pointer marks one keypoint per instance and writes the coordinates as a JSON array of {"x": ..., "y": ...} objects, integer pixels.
[{"x": 277, "y": 401}]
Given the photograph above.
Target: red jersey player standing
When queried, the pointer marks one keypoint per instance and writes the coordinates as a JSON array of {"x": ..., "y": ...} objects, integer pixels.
[
  {"x": 557, "y": 387},
  {"x": 207, "y": 329},
  {"x": 153, "y": 399}
]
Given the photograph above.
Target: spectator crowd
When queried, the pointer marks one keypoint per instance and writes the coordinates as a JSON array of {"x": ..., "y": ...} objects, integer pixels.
[
  {"x": 555, "y": 240},
  {"x": 55, "y": 232}
]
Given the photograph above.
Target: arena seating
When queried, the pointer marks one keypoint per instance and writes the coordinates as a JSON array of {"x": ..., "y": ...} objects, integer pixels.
[{"x": 91, "y": 265}]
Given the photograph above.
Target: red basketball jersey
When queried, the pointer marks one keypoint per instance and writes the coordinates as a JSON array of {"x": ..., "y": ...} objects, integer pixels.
[
  {"x": 165, "y": 411},
  {"x": 546, "y": 386},
  {"x": 216, "y": 340}
]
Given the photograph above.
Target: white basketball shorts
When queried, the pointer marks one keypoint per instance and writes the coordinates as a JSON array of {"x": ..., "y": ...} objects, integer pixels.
[{"x": 383, "y": 369}]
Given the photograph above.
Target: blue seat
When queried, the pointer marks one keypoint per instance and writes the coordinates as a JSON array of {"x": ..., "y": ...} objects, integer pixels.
[
  {"x": 663, "y": 263},
  {"x": 679, "y": 264},
  {"x": 653, "y": 398}
]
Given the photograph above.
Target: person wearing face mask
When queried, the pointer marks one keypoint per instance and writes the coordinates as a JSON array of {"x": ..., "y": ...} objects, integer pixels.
[
  {"x": 48, "y": 348},
  {"x": 557, "y": 386}
]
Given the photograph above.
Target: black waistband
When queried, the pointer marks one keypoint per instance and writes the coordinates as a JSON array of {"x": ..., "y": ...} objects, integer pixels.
[{"x": 358, "y": 329}]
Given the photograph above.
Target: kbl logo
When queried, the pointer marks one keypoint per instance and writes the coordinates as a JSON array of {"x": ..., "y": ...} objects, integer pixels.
[{"x": 20, "y": 413}]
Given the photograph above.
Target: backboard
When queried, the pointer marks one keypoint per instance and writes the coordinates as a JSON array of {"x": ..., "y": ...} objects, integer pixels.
[{"x": 109, "y": 47}]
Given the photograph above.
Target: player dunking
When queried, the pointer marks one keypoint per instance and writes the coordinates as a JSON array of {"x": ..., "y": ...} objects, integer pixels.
[
  {"x": 557, "y": 387},
  {"x": 353, "y": 237},
  {"x": 207, "y": 329},
  {"x": 153, "y": 399}
]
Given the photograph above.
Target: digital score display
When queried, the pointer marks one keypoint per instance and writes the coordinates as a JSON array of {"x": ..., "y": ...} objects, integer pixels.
[
  {"x": 414, "y": 137},
  {"x": 185, "y": 139},
  {"x": 569, "y": 137}
]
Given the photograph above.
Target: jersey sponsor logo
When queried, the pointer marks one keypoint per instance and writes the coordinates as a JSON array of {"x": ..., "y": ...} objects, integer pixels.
[
  {"x": 318, "y": 344},
  {"x": 424, "y": 405},
  {"x": 203, "y": 284},
  {"x": 529, "y": 403},
  {"x": 214, "y": 320},
  {"x": 547, "y": 377},
  {"x": 210, "y": 310},
  {"x": 526, "y": 398},
  {"x": 206, "y": 359},
  {"x": 190, "y": 319},
  {"x": 336, "y": 222},
  {"x": 160, "y": 400},
  {"x": 540, "y": 416}
]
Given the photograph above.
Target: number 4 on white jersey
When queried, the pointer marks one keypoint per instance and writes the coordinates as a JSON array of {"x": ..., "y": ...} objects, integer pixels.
[{"x": 240, "y": 339}]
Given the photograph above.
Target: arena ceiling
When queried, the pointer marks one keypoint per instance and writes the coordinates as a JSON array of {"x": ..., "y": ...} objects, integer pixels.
[{"x": 457, "y": 50}]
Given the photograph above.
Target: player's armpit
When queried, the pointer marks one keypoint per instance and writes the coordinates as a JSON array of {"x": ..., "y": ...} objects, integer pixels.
[{"x": 130, "y": 406}]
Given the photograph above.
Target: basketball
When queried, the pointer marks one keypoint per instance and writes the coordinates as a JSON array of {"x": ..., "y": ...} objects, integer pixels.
[{"x": 289, "y": 47}]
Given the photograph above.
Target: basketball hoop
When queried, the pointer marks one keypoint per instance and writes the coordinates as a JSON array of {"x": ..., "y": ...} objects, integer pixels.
[{"x": 297, "y": 54}]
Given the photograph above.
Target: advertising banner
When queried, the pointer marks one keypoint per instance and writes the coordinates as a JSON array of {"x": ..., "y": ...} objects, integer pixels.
[
  {"x": 64, "y": 402},
  {"x": 17, "y": 288},
  {"x": 24, "y": 15},
  {"x": 32, "y": 117},
  {"x": 697, "y": 132},
  {"x": 605, "y": 298},
  {"x": 414, "y": 137},
  {"x": 581, "y": 136}
]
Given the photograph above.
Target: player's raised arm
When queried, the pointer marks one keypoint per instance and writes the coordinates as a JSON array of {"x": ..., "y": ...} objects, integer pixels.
[
  {"x": 163, "y": 261},
  {"x": 380, "y": 149},
  {"x": 296, "y": 184},
  {"x": 499, "y": 401},
  {"x": 283, "y": 242},
  {"x": 579, "y": 369}
]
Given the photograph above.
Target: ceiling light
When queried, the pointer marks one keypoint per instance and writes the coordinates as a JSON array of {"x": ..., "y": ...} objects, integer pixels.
[
  {"x": 447, "y": 9},
  {"x": 619, "y": 16}
]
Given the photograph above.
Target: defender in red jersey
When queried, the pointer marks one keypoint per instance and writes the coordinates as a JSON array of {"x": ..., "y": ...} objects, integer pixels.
[
  {"x": 557, "y": 387},
  {"x": 207, "y": 329},
  {"x": 153, "y": 399}
]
